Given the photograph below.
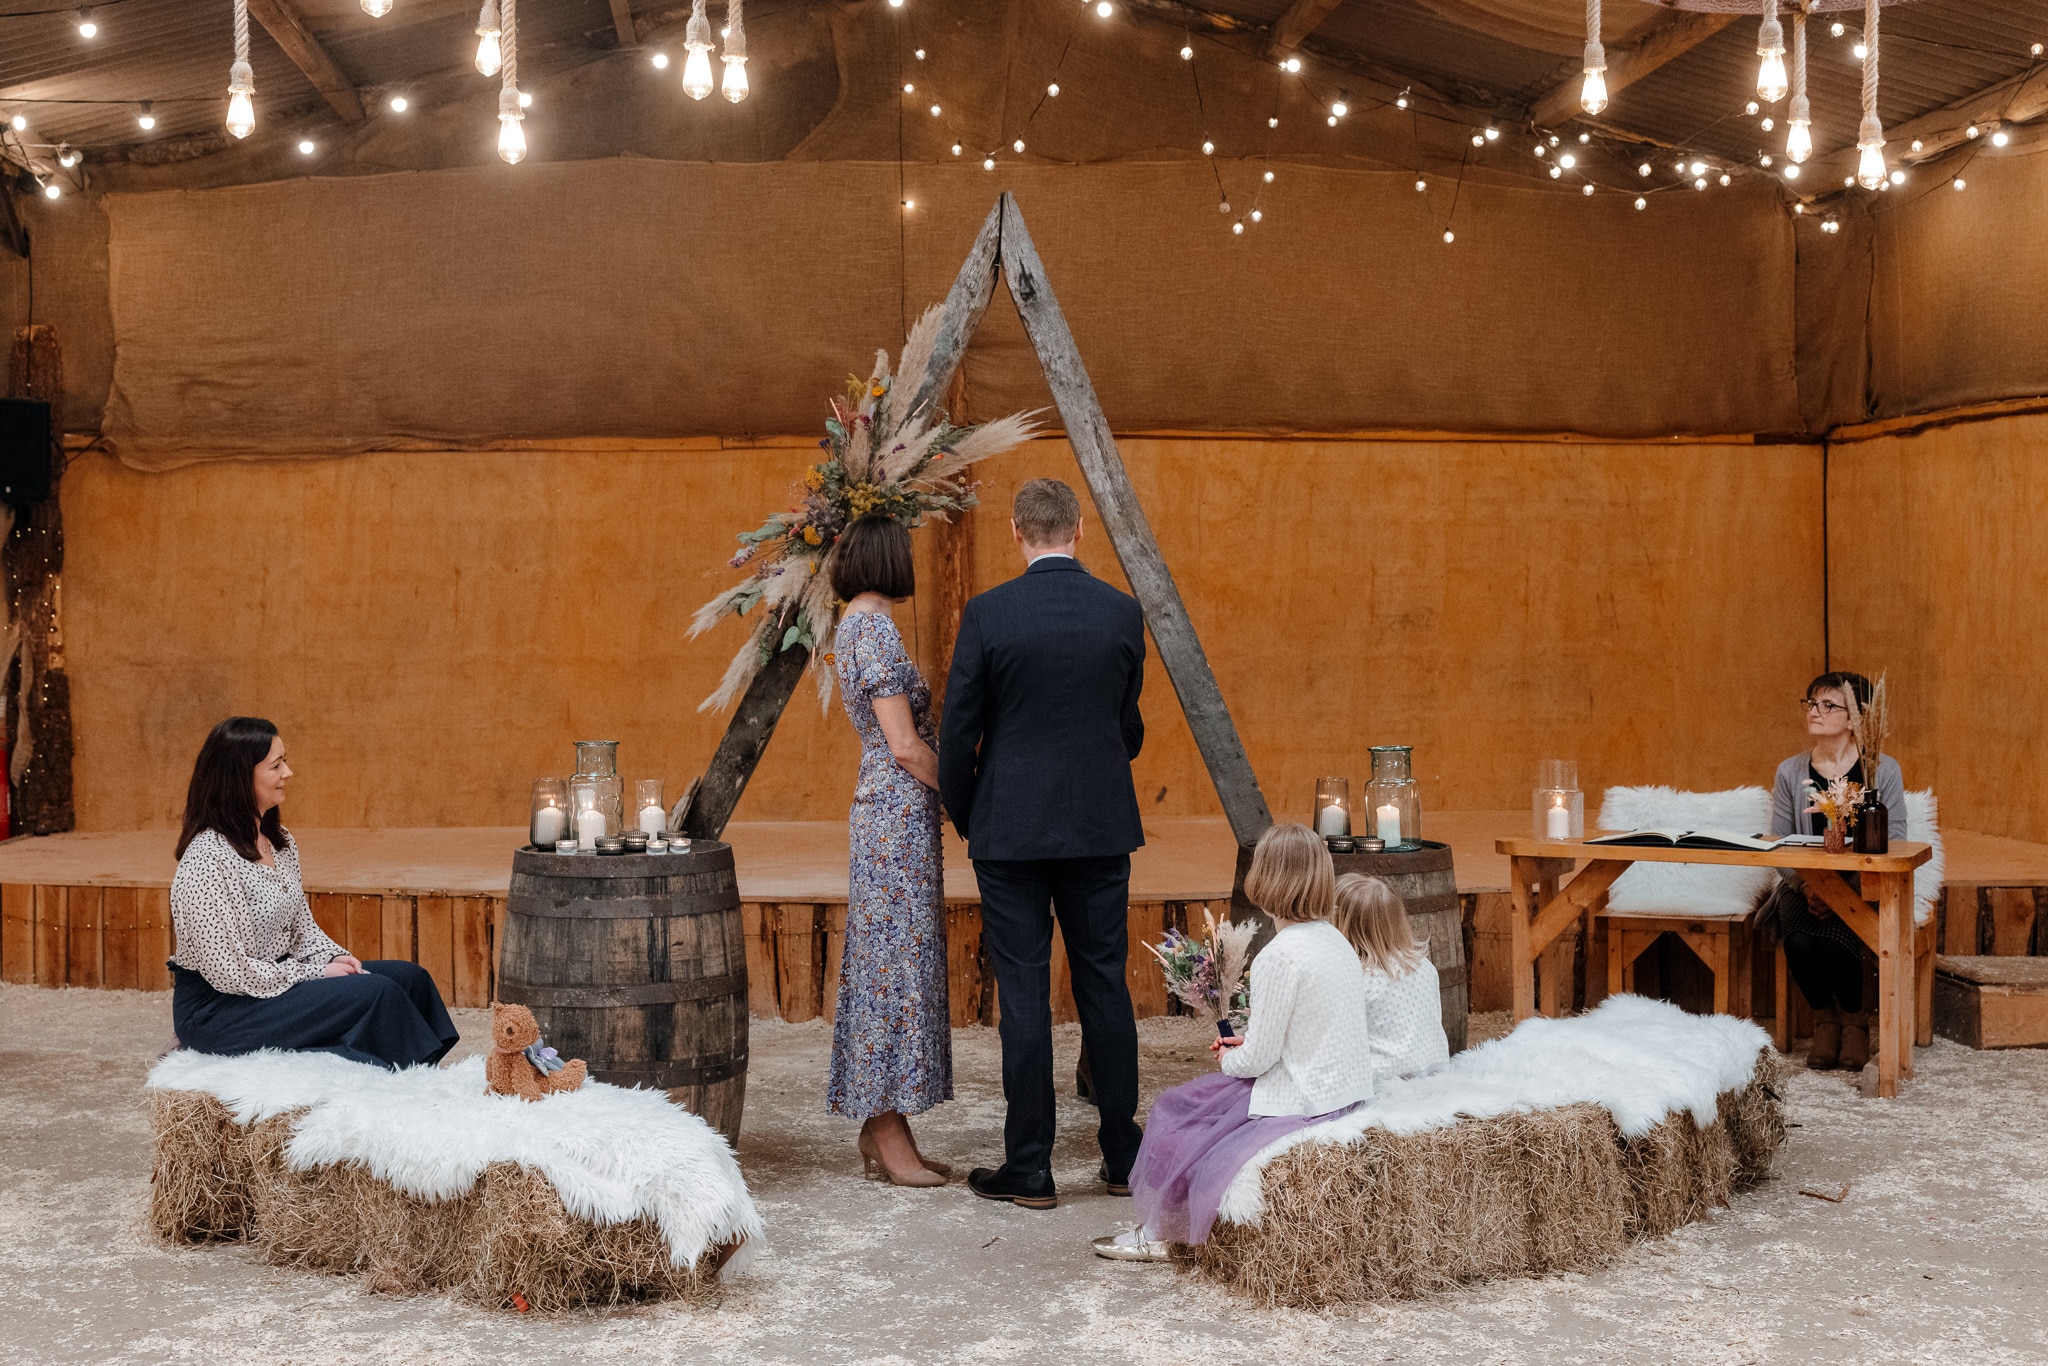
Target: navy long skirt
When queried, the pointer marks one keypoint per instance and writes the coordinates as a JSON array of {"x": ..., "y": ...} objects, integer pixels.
[{"x": 389, "y": 1014}]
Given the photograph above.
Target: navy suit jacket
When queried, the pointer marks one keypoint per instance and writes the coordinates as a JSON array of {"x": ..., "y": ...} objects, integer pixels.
[{"x": 1041, "y": 719}]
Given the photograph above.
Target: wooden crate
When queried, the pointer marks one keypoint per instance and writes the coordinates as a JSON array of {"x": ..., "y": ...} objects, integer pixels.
[{"x": 1989, "y": 1001}]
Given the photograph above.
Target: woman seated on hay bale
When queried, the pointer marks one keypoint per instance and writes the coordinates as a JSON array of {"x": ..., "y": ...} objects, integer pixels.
[
  {"x": 252, "y": 970},
  {"x": 1305, "y": 1055},
  {"x": 1825, "y": 957}
]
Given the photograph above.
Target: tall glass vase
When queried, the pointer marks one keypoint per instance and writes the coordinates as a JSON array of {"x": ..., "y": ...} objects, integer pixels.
[{"x": 1393, "y": 802}]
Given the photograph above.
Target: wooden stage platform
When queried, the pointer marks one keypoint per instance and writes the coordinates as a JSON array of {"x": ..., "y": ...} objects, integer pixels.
[{"x": 93, "y": 910}]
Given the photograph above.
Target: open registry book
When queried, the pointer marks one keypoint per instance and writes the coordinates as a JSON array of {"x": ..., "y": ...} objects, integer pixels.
[{"x": 1689, "y": 839}]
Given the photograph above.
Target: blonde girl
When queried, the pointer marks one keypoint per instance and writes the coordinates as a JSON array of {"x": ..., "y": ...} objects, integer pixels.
[{"x": 1405, "y": 1022}]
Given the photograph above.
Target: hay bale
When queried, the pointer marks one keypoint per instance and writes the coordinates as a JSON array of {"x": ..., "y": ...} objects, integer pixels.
[
  {"x": 1388, "y": 1216},
  {"x": 215, "y": 1178}
]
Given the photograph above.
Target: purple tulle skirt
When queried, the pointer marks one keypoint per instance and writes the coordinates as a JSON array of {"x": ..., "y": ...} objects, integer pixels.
[{"x": 1197, "y": 1138}]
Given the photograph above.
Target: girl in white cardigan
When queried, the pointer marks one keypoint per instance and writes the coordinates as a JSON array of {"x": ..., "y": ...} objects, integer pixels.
[
  {"x": 1403, "y": 1005},
  {"x": 1305, "y": 1055}
]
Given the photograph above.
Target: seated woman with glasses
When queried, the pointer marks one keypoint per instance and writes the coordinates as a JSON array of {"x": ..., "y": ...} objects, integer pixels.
[{"x": 1826, "y": 959}]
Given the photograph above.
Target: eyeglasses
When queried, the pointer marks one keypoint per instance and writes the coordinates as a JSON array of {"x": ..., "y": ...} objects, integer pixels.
[{"x": 1809, "y": 706}]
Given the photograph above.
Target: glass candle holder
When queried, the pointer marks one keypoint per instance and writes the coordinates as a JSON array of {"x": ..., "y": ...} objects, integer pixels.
[
  {"x": 1392, "y": 799},
  {"x": 586, "y": 813},
  {"x": 1557, "y": 808},
  {"x": 650, "y": 813},
  {"x": 1333, "y": 807},
  {"x": 548, "y": 818},
  {"x": 597, "y": 758}
]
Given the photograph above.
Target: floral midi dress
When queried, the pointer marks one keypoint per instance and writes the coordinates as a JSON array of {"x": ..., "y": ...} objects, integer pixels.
[{"x": 892, "y": 1040}]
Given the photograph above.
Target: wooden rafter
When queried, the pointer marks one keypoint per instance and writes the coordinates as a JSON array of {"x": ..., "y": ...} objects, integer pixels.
[
  {"x": 622, "y": 20},
  {"x": 290, "y": 33},
  {"x": 2014, "y": 100},
  {"x": 1672, "y": 39},
  {"x": 1301, "y": 18}
]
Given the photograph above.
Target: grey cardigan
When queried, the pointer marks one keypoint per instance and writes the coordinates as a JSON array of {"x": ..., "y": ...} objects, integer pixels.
[{"x": 1788, "y": 798}]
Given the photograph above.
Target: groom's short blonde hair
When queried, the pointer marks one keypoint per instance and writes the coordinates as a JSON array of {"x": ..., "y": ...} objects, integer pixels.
[
  {"x": 1046, "y": 513},
  {"x": 1292, "y": 875}
]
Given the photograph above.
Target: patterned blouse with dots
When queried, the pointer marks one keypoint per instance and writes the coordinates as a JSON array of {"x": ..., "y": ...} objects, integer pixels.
[{"x": 246, "y": 927}]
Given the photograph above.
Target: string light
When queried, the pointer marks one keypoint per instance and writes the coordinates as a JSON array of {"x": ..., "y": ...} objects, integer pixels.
[
  {"x": 1208, "y": 148},
  {"x": 697, "y": 40},
  {"x": 1593, "y": 91},
  {"x": 1768, "y": 124},
  {"x": 909, "y": 89},
  {"x": 1764, "y": 160},
  {"x": 1492, "y": 134},
  {"x": 1957, "y": 183},
  {"x": 1478, "y": 139},
  {"x": 1556, "y": 171},
  {"x": 1642, "y": 203},
  {"x": 67, "y": 157},
  {"x": 1273, "y": 123},
  {"x": 376, "y": 9},
  {"x": 919, "y": 54},
  {"x": 1257, "y": 216},
  {"x": 1837, "y": 29},
  {"x": 511, "y": 135},
  {"x": 1585, "y": 189},
  {"x": 1103, "y": 9},
  {"x": 1830, "y": 225},
  {"x": 1269, "y": 177},
  {"x": 1449, "y": 236},
  {"x": 1643, "y": 169},
  {"x": 660, "y": 60},
  {"x": 1700, "y": 184},
  {"x": 1898, "y": 177},
  {"x": 1999, "y": 137},
  {"x": 1567, "y": 161},
  {"x": 1726, "y": 179},
  {"x": 19, "y": 123},
  {"x": 1017, "y": 146},
  {"x": 1339, "y": 109},
  {"x": 1870, "y": 169},
  {"x": 526, "y": 99},
  {"x": 1237, "y": 229},
  {"x": 734, "y": 87},
  {"x": 53, "y": 191},
  {"x": 1971, "y": 131},
  {"x": 399, "y": 104},
  {"x": 1292, "y": 65},
  {"x": 956, "y": 149},
  {"x": 1187, "y": 51},
  {"x": 1917, "y": 144},
  {"x": 488, "y": 53},
  {"x": 1421, "y": 186},
  {"x": 988, "y": 163},
  {"x": 1792, "y": 171},
  {"x": 1401, "y": 100},
  {"x": 1585, "y": 139},
  {"x": 146, "y": 120},
  {"x": 1751, "y": 108},
  {"x": 1053, "y": 90},
  {"x": 306, "y": 147},
  {"x": 936, "y": 111},
  {"x": 88, "y": 27},
  {"x": 1770, "y": 47},
  {"x": 241, "y": 78},
  {"x": 1860, "y": 51}
]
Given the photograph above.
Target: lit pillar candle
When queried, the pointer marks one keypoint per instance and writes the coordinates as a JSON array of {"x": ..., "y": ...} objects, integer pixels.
[
  {"x": 550, "y": 823},
  {"x": 653, "y": 819},
  {"x": 1389, "y": 821},
  {"x": 1333, "y": 820},
  {"x": 1557, "y": 822},
  {"x": 589, "y": 825}
]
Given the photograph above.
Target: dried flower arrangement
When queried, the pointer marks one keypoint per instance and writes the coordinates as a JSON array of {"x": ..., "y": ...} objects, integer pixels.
[
  {"x": 1837, "y": 801},
  {"x": 882, "y": 455},
  {"x": 1208, "y": 975}
]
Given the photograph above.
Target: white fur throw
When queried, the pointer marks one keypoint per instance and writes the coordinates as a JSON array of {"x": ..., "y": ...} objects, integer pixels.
[
  {"x": 612, "y": 1154},
  {"x": 1639, "y": 1059},
  {"x": 1687, "y": 888},
  {"x": 1923, "y": 823}
]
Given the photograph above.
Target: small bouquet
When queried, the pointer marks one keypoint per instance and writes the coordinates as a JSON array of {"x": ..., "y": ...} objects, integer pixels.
[
  {"x": 1837, "y": 802},
  {"x": 1207, "y": 974}
]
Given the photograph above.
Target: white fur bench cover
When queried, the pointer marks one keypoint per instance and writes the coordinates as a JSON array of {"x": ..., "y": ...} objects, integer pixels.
[
  {"x": 612, "y": 1155},
  {"x": 1544, "y": 1151},
  {"x": 1687, "y": 888}
]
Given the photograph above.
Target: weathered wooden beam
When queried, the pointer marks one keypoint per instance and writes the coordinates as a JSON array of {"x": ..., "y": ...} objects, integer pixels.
[
  {"x": 2014, "y": 100},
  {"x": 1129, "y": 533},
  {"x": 622, "y": 20},
  {"x": 746, "y": 737},
  {"x": 1300, "y": 19},
  {"x": 289, "y": 31},
  {"x": 1679, "y": 35}
]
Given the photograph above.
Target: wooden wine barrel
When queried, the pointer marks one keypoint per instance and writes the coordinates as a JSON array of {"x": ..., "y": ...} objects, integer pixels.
[
  {"x": 636, "y": 963},
  {"x": 1428, "y": 889}
]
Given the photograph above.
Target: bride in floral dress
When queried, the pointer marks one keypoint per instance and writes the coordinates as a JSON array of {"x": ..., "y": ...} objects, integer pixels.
[{"x": 892, "y": 1042}]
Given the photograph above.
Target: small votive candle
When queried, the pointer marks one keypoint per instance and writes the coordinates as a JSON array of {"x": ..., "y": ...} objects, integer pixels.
[
  {"x": 1557, "y": 822},
  {"x": 565, "y": 846}
]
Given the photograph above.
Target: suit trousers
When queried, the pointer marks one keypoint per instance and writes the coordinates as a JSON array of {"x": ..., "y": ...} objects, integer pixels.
[{"x": 1090, "y": 897}]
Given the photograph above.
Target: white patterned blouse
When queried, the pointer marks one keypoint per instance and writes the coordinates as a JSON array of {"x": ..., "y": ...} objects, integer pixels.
[
  {"x": 1407, "y": 1021},
  {"x": 245, "y": 927}
]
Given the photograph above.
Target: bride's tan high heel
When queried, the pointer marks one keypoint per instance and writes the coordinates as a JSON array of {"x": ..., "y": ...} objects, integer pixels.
[{"x": 875, "y": 1169}]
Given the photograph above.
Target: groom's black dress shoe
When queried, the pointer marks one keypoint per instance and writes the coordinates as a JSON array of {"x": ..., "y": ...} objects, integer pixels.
[
  {"x": 1114, "y": 1186},
  {"x": 1030, "y": 1190}
]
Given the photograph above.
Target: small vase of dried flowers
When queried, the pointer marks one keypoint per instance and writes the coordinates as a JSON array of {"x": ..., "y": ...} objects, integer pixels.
[{"x": 1836, "y": 802}]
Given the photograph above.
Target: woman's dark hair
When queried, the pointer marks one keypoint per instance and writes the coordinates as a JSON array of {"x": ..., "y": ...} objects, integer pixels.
[
  {"x": 873, "y": 556},
  {"x": 1855, "y": 685},
  {"x": 222, "y": 796}
]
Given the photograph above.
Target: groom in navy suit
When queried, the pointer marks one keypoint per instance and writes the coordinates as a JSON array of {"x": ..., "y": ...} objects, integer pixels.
[{"x": 1035, "y": 748}]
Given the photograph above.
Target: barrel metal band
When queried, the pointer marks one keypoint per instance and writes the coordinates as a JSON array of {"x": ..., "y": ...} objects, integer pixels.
[
  {"x": 624, "y": 993},
  {"x": 614, "y": 908},
  {"x": 667, "y": 1076}
]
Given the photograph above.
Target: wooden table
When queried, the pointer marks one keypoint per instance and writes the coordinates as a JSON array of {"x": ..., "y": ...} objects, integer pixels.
[{"x": 1881, "y": 915}]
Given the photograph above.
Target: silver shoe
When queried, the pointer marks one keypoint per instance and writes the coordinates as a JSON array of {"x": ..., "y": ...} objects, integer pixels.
[{"x": 1130, "y": 1247}]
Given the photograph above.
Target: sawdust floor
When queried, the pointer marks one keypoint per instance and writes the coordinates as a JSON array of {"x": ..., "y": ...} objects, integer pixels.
[{"x": 1939, "y": 1252}]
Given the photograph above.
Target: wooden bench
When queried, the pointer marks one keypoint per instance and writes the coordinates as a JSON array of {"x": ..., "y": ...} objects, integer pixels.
[{"x": 1724, "y": 944}]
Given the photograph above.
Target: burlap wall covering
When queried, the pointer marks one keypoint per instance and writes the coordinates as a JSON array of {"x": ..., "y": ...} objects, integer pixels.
[
  {"x": 634, "y": 298},
  {"x": 432, "y": 629},
  {"x": 1958, "y": 280}
]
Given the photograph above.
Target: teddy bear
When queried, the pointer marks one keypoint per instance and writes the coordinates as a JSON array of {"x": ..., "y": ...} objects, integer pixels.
[{"x": 520, "y": 1063}]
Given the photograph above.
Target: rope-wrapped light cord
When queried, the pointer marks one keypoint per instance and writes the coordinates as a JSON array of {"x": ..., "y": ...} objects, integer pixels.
[
  {"x": 1801, "y": 111},
  {"x": 508, "y": 59},
  {"x": 1595, "y": 63},
  {"x": 241, "y": 76},
  {"x": 1871, "y": 131},
  {"x": 736, "y": 31}
]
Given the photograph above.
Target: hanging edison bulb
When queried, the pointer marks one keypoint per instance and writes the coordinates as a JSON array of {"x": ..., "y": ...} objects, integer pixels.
[
  {"x": 734, "y": 87},
  {"x": 376, "y": 9},
  {"x": 241, "y": 78},
  {"x": 697, "y": 38},
  {"x": 1770, "y": 47},
  {"x": 1799, "y": 121},
  {"x": 1593, "y": 94},
  {"x": 1871, "y": 172},
  {"x": 489, "y": 52},
  {"x": 511, "y": 133}
]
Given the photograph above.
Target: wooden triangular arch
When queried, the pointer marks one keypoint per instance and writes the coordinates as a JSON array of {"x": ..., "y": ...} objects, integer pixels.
[{"x": 1004, "y": 244}]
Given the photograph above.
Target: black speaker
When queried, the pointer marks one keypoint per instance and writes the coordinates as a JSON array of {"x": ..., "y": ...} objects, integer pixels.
[{"x": 24, "y": 450}]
